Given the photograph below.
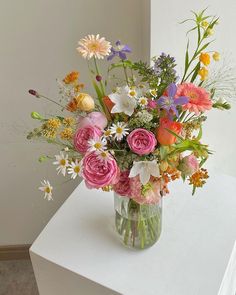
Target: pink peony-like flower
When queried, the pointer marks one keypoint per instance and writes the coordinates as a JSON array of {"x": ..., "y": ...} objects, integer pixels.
[
  {"x": 151, "y": 196},
  {"x": 141, "y": 141},
  {"x": 97, "y": 119},
  {"x": 123, "y": 186},
  {"x": 83, "y": 135},
  {"x": 98, "y": 173},
  {"x": 189, "y": 165},
  {"x": 199, "y": 98}
]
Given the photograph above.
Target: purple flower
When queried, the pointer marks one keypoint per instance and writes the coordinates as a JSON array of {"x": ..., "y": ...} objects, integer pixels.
[
  {"x": 169, "y": 102},
  {"x": 119, "y": 50}
]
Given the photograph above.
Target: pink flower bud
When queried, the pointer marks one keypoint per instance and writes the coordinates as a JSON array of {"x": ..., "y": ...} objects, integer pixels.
[{"x": 99, "y": 78}]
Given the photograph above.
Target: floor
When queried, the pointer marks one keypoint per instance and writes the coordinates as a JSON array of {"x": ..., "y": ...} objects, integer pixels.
[{"x": 17, "y": 278}]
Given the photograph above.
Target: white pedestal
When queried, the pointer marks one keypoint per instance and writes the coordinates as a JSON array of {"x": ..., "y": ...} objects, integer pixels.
[{"x": 78, "y": 252}]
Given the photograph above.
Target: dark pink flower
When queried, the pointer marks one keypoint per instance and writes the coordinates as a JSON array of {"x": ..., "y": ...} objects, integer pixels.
[
  {"x": 83, "y": 135},
  {"x": 141, "y": 141},
  {"x": 98, "y": 173}
]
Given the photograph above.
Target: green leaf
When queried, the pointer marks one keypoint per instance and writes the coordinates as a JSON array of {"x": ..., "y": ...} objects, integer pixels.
[
  {"x": 194, "y": 190},
  {"x": 197, "y": 68},
  {"x": 187, "y": 56},
  {"x": 199, "y": 136},
  {"x": 163, "y": 152},
  {"x": 202, "y": 162},
  {"x": 203, "y": 47},
  {"x": 175, "y": 134}
]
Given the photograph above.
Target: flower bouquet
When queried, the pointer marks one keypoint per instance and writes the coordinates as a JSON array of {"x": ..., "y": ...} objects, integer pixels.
[{"x": 142, "y": 130}]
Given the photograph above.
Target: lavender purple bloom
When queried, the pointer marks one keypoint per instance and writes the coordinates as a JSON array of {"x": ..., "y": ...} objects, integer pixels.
[
  {"x": 119, "y": 50},
  {"x": 169, "y": 102}
]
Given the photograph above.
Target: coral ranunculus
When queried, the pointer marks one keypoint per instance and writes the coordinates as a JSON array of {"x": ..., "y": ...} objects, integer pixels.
[
  {"x": 164, "y": 137},
  {"x": 83, "y": 135},
  {"x": 199, "y": 99},
  {"x": 98, "y": 173},
  {"x": 141, "y": 141}
]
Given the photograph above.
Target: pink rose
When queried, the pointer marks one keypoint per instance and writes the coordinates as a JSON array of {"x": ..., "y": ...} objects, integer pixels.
[
  {"x": 141, "y": 141},
  {"x": 189, "y": 165},
  {"x": 98, "y": 173},
  {"x": 83, "y": 135},
  {"x": 97, "y": 119},
  {"x": 123, "y": 186}
]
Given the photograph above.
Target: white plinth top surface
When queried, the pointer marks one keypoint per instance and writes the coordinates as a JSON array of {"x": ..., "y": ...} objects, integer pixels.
[{"x": 191, "y": 256}]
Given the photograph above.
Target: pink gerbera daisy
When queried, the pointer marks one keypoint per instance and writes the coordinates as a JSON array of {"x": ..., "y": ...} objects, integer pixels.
[
  {"x": 94, "y": 46},
  {"x": 199, "y": 99}
]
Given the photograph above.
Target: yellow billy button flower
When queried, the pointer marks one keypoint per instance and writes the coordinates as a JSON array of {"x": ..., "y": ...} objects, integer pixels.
[
  {"x": 203, "y": 73},
  {"x": 216, "y": 56},
  {"x": 67, "y": 133},
  {"x": 205, "y": 58}
]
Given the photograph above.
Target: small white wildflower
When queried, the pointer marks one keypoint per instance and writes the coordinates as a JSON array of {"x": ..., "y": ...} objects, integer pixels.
[
  {"x": 75, "y": 169},
  {"x": 119, "y": 129},
  {"x": 97, "y": 144},
  {"x": 47, "y": 189},
  {"x": 62, "y": 161}
]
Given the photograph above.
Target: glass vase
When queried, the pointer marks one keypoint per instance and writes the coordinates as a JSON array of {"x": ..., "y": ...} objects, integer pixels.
[{"x": 138, "y": 225}]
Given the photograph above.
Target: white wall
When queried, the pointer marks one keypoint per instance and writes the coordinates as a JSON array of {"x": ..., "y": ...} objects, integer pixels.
[
  {"x": 38, "y": 41},
  {"x": 169, "y": 36}
]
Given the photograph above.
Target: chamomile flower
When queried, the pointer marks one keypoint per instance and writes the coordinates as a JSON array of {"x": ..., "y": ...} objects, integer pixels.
[
  {"x": 62, "y": 161},
  {"x": 107, "y": 133},
  {"x": 143, "y": 101},
  {"x": 103, "y": 155},
  {"x": 132, "y": 92},
  {"x": 75, "y": 169},
  {"x": 153, "y": 92},
  {"x": 119, "y": 129},
  {"x": 47, "y": 189},
  {"x": 97, "y": 144}
]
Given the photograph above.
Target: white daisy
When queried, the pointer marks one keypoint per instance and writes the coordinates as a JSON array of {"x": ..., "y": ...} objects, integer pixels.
[
  {"x": 47, "y": 189},
  {"x": 123, "y": 103},
  {"x": 153, "y": 92},
  {"x": 143, "y": 101},
  {"x": 145, "y": 169},
  {"x": 103, "y": 156},
  {"x": 131, "y": 92},
  {"x": 107, "y": 133},
  {"x": 119, "y": 129},
  {"x": 97, "y": 144},
  {"x": 75, "y": 169},
  {"x": 62, "y": 161}
]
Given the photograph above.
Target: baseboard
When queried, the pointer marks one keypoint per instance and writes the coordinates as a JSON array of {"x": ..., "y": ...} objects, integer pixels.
[{"x": 14, "y": 252}]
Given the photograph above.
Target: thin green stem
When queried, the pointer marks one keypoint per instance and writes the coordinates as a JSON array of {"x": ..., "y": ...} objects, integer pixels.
[
  {"x": 125, "y": 71},
  {"x": 98, "y": 73},
  {"x": 51, "y": 100}
]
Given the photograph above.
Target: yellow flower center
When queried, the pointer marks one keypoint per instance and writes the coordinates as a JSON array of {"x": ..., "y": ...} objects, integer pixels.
[
  {"x": 103, "y": 154},
  {"x": 132, "y": 93},
  {"x": 98, "y": 145},
  {"x": 62, "y": 162},
  {"x": 119, "y": 130},
  {"x": 143, "y": 101},
  {"x": 47, "y": 190},
  {"x": 192, "y": 95},
  {"x": 94, "y": 47},
  {"x": 107, "y": 132},
  {"x": 77, "y": 169},
  {"x": 153, "y": 92}
]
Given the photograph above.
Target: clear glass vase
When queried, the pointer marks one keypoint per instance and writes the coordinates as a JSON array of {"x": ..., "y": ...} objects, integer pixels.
[{"x": 138, "y": 225}]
